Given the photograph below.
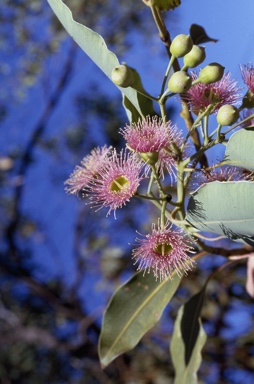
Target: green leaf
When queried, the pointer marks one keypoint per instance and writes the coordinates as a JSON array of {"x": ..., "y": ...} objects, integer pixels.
[
  {"x": 95, "y": 47},
  {"x": 239, "y": 149},
  {"x": 225, "y": 208},
  {"x": 146, "y": 105},
  {"x": 199, "y": 35},
  {"x": 134, "y": 309},
  {"x": 190, "y": 325},
  {"x": 186, "y": 374}
]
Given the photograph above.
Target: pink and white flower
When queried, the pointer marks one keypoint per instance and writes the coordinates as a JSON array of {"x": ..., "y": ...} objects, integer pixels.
[
  {"x": 154, "y": 138},
  {"x": 223, "y": 173},
  {"x": 107, "y": 178},
  {"x": 164, "y": 251},
  {"x": 148, "y": 135},
  {"x": 88, "y": 170},
  {"x": 117, "y": 181}
]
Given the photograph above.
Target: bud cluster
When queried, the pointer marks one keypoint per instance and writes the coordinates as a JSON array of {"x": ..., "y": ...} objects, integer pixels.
[{"x": 193, "y": 55}]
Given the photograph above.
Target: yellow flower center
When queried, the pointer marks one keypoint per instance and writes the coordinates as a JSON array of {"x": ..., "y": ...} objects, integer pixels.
[
  {"x": 119, "y": 184},
  {"x": 163, "y": 249}
]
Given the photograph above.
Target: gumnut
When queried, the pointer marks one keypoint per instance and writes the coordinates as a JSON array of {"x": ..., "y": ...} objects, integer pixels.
[
  {"x": 122, "y": 76},
  {"x": 211, "y": 73},
  {"x": 181, "y": 45},
  {"x": 195, "y": 57},
  {"x": 227, "y": 115},
  {"x": 180, "y": 82}
]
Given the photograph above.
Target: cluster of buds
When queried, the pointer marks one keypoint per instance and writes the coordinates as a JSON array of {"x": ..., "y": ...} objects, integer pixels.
[{"x": 193, "y": 55}]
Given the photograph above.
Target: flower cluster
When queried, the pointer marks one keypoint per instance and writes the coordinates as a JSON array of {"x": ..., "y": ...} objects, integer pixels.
[
  {"x": 109, "y": 179},
  {"x": 164, "y": 251},
  {"x": 153, "y": 145}
]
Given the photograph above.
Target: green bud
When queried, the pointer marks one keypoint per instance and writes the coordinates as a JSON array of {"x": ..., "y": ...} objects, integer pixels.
[
  {"x": 122, "y": 76},
  {"x": 211, "y": 73},
  {"x": 179, "y": 82},
  {"x": 195, "y": 57},
  {"x": 181, "y": 45},
  {"x": 227, "y": 115}
]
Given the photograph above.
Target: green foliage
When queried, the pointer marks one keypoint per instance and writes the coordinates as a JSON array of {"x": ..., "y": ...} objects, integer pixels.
[
  {"x": 186, "y": 373},
  {"x": 134, "y": 309},
  {"x": 232, "y": 215},
  {"x": 190, "y": 323},
  {"x": 239, "y": 151}
]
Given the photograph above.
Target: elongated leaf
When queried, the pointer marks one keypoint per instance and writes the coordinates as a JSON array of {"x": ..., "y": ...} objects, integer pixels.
[
  {"x": 240, "y": 149},
  {"x": 134, "y": 309},
  {"x": 224, "y": 208},
  {"x": 190, "y": 325},
  {"x": 95, "y": 47},
  {"x": 186, "y": 374}
]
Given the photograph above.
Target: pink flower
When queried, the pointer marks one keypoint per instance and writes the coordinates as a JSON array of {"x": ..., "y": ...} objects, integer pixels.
[
  {"x": 116, "y": 182},
  {"x": 222, "y": 92},
  {"x": 224, "y": 173},
  {"x": 247, "y": 72},
  {"x": 88, "y": 170},
  {"x": 164, "y": 251},
  {"x": 154, "y": 137},
  {"x": 148, "y": 135}
]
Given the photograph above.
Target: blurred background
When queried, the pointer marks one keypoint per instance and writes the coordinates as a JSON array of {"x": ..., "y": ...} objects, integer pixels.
[{"x": 60, "y": 261}]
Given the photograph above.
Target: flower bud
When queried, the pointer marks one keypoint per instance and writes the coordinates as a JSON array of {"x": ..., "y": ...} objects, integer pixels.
[
  {"x": 179, "y": 82},
  {"x": 211, "y": 73},
  {"x": 181, "y": 45},
  {"x": 227, "y": 115},
  {"x": 122, "y": 76},
  {"x": 195, "y": 57}
]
